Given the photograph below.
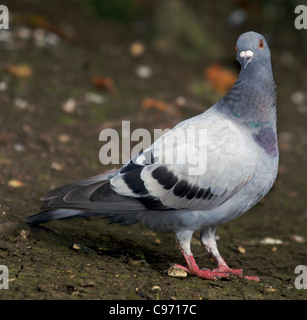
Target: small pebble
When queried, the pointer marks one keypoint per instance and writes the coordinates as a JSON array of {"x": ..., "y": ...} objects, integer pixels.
[
  {"x": 297, "y": 238},
  {"x": 137, "y": 49},
  {"x": 64, "y": 138},
  {"x": 298, "y": 97},
  {"x": 76, "y": 246},
  {"x": 56, "y": 166},
  {"x": 143, "y": 72},
  {"x": 20, "y": 103},
  {"x": 3, "y": 86},
  {"x": 241, "y": 249},
  {"x": 269, "y": 289},
  {"x": 269, "y": 240},
  {"x": 94, "y": 98},
  {"x": 70, "y": 105},
  {"x": 19, "y": 147}
]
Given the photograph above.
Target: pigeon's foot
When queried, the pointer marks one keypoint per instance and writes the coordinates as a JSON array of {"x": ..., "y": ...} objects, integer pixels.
[
  {"x": 234, "y": 272},
  {"x": 207, "y": 273},
  {"x": 218, "y": 273},
  {"x": 231, "y": 272},
  {"x": 208, "y": 241}
]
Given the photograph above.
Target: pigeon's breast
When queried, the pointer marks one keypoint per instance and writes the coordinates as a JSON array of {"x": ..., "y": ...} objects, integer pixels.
[{"x": 267, "y": 140}]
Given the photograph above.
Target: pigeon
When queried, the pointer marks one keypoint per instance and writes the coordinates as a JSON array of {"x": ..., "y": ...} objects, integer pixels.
[{"x": 206, "y": 171}]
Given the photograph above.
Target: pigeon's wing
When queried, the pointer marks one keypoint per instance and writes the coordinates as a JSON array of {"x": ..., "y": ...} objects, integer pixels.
[{"x": 199, "y": 164}]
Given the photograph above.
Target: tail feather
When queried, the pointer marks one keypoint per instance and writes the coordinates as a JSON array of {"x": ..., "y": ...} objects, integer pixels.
[
  {"x": 75, "y": 185},
  {"x": 87, "y": 198},
  {"x": 66, "y": 214}
]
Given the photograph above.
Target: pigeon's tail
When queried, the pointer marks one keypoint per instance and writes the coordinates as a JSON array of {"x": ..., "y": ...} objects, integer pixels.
[{"x": 87, "y": 198}]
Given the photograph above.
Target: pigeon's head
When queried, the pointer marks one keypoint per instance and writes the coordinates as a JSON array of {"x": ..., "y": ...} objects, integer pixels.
[{"x": 252, "y": 48}]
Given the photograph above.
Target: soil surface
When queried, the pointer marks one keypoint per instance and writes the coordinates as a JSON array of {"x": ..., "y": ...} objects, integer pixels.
[{"x": 49, "y": 136}]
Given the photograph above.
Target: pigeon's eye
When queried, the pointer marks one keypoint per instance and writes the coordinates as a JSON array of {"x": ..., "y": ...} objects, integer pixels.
[
  {"x": 237, "y": 48},
  {"x": 261, "y": 44}
]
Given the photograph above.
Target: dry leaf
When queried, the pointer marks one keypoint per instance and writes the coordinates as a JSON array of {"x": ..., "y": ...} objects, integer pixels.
[
  {"x": 5, "y": 161},
  {"x": 14, "y": 183},
  {"x": 220, "y": 78},
  {"x": 159, "y": 105},
  {"x": 39, "y": 21},
  {"x": 20, "y": 70},
  {"x": 104, "y": 83}
]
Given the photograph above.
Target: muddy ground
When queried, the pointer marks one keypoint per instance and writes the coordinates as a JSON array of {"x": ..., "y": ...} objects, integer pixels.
[{"x": 45, "y": 144}]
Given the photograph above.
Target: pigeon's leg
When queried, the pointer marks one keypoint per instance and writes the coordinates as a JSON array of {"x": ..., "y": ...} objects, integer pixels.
[
  {"x": 184, "y": 244},
  {"x": 209, "y": 243}
]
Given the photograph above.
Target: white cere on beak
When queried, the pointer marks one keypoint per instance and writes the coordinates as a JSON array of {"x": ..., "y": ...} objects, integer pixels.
[{"x": 246, "y": 54}]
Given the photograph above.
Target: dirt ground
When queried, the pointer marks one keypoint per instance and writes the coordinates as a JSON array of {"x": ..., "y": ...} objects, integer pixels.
[{"x": 49, "y": 130}]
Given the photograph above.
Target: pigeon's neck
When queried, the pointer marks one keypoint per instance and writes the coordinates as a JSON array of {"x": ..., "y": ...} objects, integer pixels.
[
  {"x": 252, "y": 99},
  {"x": 252, "y": 103}
]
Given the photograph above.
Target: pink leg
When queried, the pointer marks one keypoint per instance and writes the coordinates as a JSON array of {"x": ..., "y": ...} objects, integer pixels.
[
  {"x": 209, "y": 243},
  {"x": 193, "y": 268}
]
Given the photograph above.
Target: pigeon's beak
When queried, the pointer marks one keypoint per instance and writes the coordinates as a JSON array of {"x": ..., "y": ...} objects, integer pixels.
[{"x": 247, "y": 57}]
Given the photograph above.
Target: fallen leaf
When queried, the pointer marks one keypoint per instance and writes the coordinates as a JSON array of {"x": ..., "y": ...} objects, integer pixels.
[
  {"x": 104, "y": 83},
  {"x": 220, "y": 78},
  {"x": 5, "y": 161},
  {"x": 159, "y": 105},
  {"x": 14, "y": 183},
  {"x": 20, "y": 70},
  {"x": 38, "y": 21}
]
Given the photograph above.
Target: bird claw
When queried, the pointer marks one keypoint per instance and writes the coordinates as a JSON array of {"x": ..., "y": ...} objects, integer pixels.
[
  {"x": 218, "y": 273},
  {"x": 252, "y": 278}
]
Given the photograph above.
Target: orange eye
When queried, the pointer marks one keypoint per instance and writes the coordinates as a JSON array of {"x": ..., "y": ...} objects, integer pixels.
[
  {"x": 237, "y": 48},
  {"x": 261, "y": 44}
]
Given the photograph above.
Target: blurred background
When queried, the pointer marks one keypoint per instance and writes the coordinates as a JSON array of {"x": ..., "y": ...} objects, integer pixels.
[{"x": 69, "y": 69}]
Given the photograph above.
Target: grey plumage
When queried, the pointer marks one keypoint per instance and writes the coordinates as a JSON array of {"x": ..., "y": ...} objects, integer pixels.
[{"x": 242, "y": 160}]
